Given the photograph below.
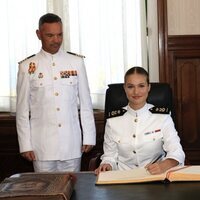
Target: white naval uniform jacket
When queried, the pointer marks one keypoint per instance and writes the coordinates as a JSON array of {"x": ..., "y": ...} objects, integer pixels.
[
  {"x": 138, "y": 137},
  {"x": 51, "y": 94}
]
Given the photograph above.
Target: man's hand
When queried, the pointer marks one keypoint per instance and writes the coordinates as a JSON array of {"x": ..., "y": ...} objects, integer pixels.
[
  {"x": 28, "y": 155},
  {"x": 86, "y": 148}
]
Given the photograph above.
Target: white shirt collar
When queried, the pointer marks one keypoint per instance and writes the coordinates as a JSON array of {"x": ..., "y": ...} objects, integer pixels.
[{"x": 139, "y": 112}]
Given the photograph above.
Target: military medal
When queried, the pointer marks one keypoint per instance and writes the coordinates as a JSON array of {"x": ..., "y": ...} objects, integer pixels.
[
  {"x": 40, "y": 75},
  {"x": 32, "y": 68},
  {"x": 68, "y": 73}
]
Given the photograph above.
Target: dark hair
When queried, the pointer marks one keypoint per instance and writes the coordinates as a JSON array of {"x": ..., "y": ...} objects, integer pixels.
[
  {"x": 137, "y": 70},
  {"x": 49, "y": 18}
]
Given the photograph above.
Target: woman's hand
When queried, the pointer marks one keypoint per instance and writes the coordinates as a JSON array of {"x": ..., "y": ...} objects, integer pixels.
[
  {"x": 103, "y": 168},
  {"x": 162, "y": 166}
]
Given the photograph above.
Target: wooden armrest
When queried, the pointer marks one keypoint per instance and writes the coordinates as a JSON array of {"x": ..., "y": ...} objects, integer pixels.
[{"x": 95, "y": 162}]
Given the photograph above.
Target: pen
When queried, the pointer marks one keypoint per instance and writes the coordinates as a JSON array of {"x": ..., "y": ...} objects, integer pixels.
[{"x": 156, "y": 159}]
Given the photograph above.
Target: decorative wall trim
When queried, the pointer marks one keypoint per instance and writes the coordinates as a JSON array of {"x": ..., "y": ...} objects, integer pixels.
[
  {"x": 162, "y": 38},
  {"x": 184, "y": 42},
  {"x": 179, "y": 65}
]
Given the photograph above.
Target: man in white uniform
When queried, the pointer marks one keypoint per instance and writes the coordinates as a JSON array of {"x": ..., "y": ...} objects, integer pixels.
[{"x": 51, "y": 87}]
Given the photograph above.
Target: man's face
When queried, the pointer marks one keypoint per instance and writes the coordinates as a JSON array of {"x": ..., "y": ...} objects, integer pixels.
[{"x": 51, "y": 36}]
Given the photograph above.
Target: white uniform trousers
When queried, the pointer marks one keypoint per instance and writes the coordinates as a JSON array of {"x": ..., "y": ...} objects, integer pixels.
[{"x": 57, "y": 165}]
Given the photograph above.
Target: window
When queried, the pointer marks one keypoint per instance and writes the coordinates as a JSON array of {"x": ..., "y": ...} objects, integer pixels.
[
  {"x": 18, "y": 40},
  {"x": 112, "y": 36},
  {"x": 110, "y": 33}
]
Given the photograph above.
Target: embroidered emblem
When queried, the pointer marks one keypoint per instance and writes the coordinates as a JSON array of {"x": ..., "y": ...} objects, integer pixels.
[
  {"x": 68, "y": 73},
  {"x": 159, "y": 110},
  {"x": 150, "y": 132},
  {"x": 116, "y": 113},
  {"x": 32, "y": 68},
  {"x": 40, "y": 75}
]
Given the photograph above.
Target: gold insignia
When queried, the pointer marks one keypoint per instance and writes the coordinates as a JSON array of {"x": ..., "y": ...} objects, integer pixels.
[
  {"x": 75, "y": 54},
  {"x": 116, "y": 113},
  {"x": 32, "y": 68},
  {"x": 40, "y": 75},
  {"x": 159, "y": 110},
  {"x": 26, "y": 59}
]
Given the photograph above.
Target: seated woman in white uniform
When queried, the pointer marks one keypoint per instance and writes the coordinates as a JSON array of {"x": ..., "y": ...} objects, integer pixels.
[{"x": 143, "y": 135}]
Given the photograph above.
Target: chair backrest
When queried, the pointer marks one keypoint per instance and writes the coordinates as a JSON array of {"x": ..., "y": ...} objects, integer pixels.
[{"x": 160, "y": 95}]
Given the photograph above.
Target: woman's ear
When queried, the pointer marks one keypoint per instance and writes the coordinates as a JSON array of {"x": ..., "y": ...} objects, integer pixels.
[{"x": 149, "y": 87}]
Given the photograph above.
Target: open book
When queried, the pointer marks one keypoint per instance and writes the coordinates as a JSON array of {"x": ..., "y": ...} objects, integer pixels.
[{"x": 139, "y": 175}]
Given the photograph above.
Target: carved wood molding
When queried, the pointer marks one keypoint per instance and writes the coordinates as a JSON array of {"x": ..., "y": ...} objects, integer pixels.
[
  {"x": 184, "y": 42},
  {"x": 179, "y": 52},
  {"x": 179, "y": 65},
  {"x": 162, "y": 39},
  {"x": 170, "y": 43}
]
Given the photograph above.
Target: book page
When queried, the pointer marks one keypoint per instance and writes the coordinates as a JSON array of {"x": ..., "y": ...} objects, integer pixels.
[
  {"x": 186, "y": 173},
  {"x": 128, "y": 176},
  {"x": 195, "y": 169}
]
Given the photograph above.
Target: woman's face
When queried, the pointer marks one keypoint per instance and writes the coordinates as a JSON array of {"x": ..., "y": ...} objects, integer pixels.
[{"x": 137, "y": 89}]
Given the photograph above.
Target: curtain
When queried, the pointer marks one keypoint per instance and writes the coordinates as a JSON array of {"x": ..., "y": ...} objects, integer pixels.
[
  {"x": 112, "y": 36},
  {"x": 110, "y": 33},
  {"x": 18, "y": 40}
]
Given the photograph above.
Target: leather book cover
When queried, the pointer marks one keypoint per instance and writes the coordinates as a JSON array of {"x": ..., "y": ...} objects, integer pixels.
[{"x": 38, "y": 186}]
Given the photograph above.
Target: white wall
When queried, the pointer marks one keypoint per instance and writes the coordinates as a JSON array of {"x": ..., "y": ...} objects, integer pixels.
[{"x": 183, "y": 17}]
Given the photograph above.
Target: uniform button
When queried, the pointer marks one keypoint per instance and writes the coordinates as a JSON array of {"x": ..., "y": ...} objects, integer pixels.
[
  {"x": 41, "y": 84},
  {"x": 135, "y": 120},
  {"x": 134, "y": 152},
  {"x": 56, "y": 94},
  {"x": 134, "y": 135},
  {"x": 53, "y": 64},
  {"x": 55, "y": 78},
  {"x": 59, "y": 125},
  {"x": 58, "y": 109}
]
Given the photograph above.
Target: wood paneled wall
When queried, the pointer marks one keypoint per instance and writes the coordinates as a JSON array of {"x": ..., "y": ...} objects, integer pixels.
[
  {"x": 11, "y": 161},
  {"x": 179, "y": 63},
  {"x": 184, "y": 72}
]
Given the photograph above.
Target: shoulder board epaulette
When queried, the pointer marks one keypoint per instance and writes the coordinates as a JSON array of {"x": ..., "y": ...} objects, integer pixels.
[
  {"x": 116, "y": 113},
  {"x": 159, "y": 110},
  {"x": 75, "y": 54},
  {"x": 26, "y": 59}
]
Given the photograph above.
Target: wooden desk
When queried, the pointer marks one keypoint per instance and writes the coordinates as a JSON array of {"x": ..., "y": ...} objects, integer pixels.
[
  {"x": 85, "y": 189},
  {"x": 11, "y": 162}
]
